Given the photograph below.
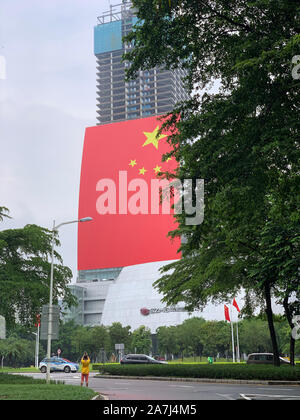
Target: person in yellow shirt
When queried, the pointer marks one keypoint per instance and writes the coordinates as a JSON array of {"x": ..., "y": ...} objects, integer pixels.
[{"x": 85, "y": 369}]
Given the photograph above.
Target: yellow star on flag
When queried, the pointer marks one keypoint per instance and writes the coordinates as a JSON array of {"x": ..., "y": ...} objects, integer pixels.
[
  {"x": 157, "y": 169},
  {"x": 132, "y": 163},
  {"x": 142, "y": 171},
  {"x": 152, "y": 138}
]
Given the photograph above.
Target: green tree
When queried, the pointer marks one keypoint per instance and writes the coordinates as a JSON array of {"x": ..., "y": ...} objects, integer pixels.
[
  {"x": 65, "y": 342},
  {"x": 167, "y": 340},
  {"x": 17, "y": 351},
  {"x": 243, "y": 140},
  {"x": 191, "y": 334},
  {"x": 25, "y": 274},
  {"x": 254, "y": 336},
  {"x": 216, "y": 338},
  {"x": 4, "y": 212},
  {"x": 99, "y": 340},
  {"x": 119, "y": 334},
  {"x": 141, "y": 340},
  {"x": 280, "y": 259},
  {"x": 93, "y": 340},
  {"x": 80, "y": 341},
  {"x": 183, "y": 340}
]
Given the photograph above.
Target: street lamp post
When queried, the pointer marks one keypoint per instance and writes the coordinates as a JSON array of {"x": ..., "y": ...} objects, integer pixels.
[
  {"x": 37, "y": 345},
  {"x": 49, "y": 335}
]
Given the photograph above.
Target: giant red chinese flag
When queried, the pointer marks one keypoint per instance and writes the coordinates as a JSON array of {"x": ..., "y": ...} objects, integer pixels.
[{"x": 120, "y": 161}]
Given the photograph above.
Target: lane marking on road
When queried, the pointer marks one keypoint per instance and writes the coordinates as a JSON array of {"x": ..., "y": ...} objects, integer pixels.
[
  {"x": 277, "y": 389},
  {"x": 245, "y": 397},
  {"x": 181, "y": 386},
  {"x": 271, "y": 396},
  {"x": 226, "y": 396},
  {"x": 122, "y": 383}
]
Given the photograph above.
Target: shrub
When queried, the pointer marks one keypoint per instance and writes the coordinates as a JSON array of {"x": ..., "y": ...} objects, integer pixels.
[{"x": 247, "y": 372}]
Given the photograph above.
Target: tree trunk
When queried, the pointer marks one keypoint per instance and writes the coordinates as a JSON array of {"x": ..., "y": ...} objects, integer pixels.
[
  {"x": 269, "y": 313},
  {"x": 289, "y": 317},
  {"x": 292, "y": 351}
]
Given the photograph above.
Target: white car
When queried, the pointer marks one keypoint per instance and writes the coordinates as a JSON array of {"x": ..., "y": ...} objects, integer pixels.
[{"x": 58, "y": 364}]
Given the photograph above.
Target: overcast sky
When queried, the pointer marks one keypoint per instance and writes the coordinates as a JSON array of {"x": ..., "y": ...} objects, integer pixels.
[{"x": 46, "y": 101}]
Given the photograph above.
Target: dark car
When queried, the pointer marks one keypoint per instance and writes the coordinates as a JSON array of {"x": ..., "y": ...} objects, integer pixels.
[
  {"x": 139, "y": 359},
  {"x": 263, "y": 358}
]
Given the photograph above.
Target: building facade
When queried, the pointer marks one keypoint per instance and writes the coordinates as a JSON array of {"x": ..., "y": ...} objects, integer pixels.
[{"x": 153, "y": 93}]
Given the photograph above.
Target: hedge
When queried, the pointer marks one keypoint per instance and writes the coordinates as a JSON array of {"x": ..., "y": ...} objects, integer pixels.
[{"x": 220, "y": 371}]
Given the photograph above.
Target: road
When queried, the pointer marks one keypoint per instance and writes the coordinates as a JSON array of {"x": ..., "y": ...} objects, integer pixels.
[{"x": 147, "y": 390}]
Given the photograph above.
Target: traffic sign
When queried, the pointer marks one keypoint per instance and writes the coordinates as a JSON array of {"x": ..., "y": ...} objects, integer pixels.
[{"x": 119, "y": 346}]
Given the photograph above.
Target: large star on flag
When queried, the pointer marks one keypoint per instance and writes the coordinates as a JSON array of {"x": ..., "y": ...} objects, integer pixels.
[{"x": 153, "y": 138}]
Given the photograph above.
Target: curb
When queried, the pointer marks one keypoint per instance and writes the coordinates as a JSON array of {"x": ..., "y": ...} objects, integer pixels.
[
  {"x": 203, "y": 380},
  {"x": 100, "y": 397}
]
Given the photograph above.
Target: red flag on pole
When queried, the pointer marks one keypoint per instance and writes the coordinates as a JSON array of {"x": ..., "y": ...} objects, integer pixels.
[
  {"x": 236, "y": 305},
  {"x": 226, "y": 311}
]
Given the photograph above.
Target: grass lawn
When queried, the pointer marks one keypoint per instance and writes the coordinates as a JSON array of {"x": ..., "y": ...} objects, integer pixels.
[
  {"x": 18, "y": 387},
  {"x": 44, "y": 392},
  {"x": 30, "y": 369}
]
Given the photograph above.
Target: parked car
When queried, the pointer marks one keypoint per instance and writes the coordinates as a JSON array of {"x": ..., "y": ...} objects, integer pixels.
[
  {"x": 264, "y": 358},
  {"x": 58, "y": 364},
  {"x": 140, "y": 359}
]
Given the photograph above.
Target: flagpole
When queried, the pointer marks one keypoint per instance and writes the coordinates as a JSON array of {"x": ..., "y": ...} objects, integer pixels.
[
  {"x": 232, "y": 337},
  {"x": 238, "y": 344},
  {"x": 234, "y": 303}
]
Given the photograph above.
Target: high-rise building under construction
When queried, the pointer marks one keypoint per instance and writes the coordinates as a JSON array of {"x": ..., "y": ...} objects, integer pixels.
[{"x": 153, "y": 92}]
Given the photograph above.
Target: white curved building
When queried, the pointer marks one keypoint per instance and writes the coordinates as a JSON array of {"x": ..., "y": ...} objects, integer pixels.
[{"x": 132, "y": 300}]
